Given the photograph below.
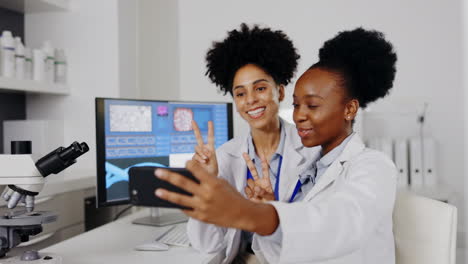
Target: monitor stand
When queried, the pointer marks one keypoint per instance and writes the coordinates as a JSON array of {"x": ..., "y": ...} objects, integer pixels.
[{"x": 156, "y": 219}]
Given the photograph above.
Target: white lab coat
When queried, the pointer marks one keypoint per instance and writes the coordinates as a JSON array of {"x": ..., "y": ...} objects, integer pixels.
[
  {"x": 209, "y": 238},
  {"x": 345, "y": 218}
]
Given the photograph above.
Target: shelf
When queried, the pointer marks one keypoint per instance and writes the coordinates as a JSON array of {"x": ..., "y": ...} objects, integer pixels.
[
  {"x": 29, "y": 86},
  {"x": 35, "y": 6}
]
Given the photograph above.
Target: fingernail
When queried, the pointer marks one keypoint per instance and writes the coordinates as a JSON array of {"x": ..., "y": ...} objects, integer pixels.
[
  {"x": 159, "y": 192},
  {"x": 159, "y": 173}
]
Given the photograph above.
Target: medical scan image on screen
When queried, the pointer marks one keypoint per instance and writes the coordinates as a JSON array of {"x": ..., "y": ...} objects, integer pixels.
[{"x": 154, "y": 133}]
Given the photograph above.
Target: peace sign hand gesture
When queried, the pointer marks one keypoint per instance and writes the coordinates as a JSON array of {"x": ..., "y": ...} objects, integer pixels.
[
  {"x": 258, "y": 189},
  {"x": 205, "y": 154}
]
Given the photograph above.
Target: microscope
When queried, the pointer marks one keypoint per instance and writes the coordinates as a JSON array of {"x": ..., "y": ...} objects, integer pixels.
[{"x": 24, "y": 180}]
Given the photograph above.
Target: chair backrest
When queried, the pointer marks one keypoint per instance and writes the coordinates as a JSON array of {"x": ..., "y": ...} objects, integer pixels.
[{"x": 425, "y": 230}]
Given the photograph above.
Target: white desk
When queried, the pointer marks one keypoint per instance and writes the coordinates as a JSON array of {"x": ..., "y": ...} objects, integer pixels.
[{"x": 114, "y": 243}]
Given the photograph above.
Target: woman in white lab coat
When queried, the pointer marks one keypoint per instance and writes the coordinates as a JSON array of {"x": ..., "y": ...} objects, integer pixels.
[
  {"x": 345, "y": 212},
  {"x": 253, "y": 65},
  {"x": 210, "y": 238}
]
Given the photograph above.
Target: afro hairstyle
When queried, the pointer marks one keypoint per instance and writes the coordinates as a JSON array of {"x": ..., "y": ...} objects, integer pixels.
[
  {"x": 270, "y": 50},
  {"x": 364, "y": 60}
]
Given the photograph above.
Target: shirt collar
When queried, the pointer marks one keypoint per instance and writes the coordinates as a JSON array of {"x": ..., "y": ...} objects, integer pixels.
[
  {"x": 279, "y": 149},
  {"x": 331, "y": 156}
]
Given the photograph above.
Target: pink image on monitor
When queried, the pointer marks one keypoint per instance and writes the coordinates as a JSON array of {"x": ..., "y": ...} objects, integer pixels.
[{"x": 183, "y": 119}]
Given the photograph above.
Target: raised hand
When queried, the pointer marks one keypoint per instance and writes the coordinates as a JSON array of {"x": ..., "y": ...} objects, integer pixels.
[
  {"x": 258, "y": 189},
  {"x": 205, "y": 154}
]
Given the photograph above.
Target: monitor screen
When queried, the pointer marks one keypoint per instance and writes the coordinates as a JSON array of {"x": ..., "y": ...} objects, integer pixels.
[{"x": 149, "y": 133}]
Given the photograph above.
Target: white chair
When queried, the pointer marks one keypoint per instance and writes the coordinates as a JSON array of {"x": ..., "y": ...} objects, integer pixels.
[{"x": 425, "y": 230}]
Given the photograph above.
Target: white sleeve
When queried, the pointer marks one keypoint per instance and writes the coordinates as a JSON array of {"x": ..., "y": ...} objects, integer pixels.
[
  {"x": 340, "y": 223},
  {"x": 209, "y": 238},
  {"x": 206, "y": 238},
  {"x": 269, "y": 247}
]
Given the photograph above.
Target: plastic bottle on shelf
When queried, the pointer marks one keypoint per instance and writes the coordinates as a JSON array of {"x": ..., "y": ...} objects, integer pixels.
[
  {"x": 39, "y": 58},
  {"x": 8, "y": 54},
  {"x": 60, "y": 66},
  {"x": 19, "y": 59},
  {"x": 49, "y": 61},
  {"x": 28, "y": 64}
]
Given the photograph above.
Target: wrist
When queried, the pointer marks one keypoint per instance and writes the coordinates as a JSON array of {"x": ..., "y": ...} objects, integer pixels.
[{"x": 260, "y": 218}]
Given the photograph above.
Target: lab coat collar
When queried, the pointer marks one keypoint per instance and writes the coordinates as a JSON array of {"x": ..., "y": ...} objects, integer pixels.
[{"x": 354, "y": 147}]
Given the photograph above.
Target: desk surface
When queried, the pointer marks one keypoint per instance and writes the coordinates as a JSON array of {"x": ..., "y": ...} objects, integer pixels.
[{"x": 114, "y": 243}]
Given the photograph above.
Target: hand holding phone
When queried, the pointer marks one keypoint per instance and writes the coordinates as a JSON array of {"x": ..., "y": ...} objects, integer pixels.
[{"x": 143, "y": 183}]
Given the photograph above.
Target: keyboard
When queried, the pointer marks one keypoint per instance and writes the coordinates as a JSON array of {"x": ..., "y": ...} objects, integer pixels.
[{"x": 176, "y": 236}]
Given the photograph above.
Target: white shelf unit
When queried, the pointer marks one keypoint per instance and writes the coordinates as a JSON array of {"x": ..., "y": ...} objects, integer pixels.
[
  {"x": 27, "y": 7},
  {"x": 35, "y": 6},
  {"x": 30, "y": 86}
]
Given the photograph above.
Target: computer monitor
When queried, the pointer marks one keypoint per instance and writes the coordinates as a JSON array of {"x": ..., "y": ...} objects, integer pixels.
[{"x": 147, "y": 132}]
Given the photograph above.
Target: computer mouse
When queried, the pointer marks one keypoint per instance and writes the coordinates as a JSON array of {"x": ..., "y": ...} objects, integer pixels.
[{"x": 152, "y": 246}]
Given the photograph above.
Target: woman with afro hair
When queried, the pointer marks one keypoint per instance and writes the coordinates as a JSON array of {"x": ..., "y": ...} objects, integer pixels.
[
  {"x": 345, "y": 212},
  {"x": 253, "y": 65}
]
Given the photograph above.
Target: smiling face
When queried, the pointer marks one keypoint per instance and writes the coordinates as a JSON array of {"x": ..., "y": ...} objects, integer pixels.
[
  {"x": 323, "y": 112},
  {"x": 257, "y": 96}
]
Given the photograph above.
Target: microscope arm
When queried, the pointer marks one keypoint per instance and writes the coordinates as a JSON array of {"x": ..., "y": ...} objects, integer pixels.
[{"x": 25, "y": 179}]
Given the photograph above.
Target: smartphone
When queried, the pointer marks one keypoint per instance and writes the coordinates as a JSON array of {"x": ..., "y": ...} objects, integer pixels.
[{"x": 143, "y": 183}]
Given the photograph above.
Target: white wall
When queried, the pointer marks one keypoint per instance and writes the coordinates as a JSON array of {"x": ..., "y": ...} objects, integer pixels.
[
  {"x": 464, "y": 68},
  {"x": 89, "y": 34},
  {"x": 158, "y": 49},
  {"x": 128, "y": 49}
]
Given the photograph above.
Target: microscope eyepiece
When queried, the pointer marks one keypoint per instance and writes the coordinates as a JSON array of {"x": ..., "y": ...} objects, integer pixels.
[
  {"x": 61, "y": 158},
  {"x": 74, "y": 151}
]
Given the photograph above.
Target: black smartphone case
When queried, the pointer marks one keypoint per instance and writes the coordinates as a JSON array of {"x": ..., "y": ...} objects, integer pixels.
[{"x": 143, "y": 183}]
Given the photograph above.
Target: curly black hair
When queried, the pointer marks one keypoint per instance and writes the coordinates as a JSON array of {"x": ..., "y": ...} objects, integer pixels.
[
  {"x": 364, "y": 60},
  {"x": 270, "y": 50}
]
